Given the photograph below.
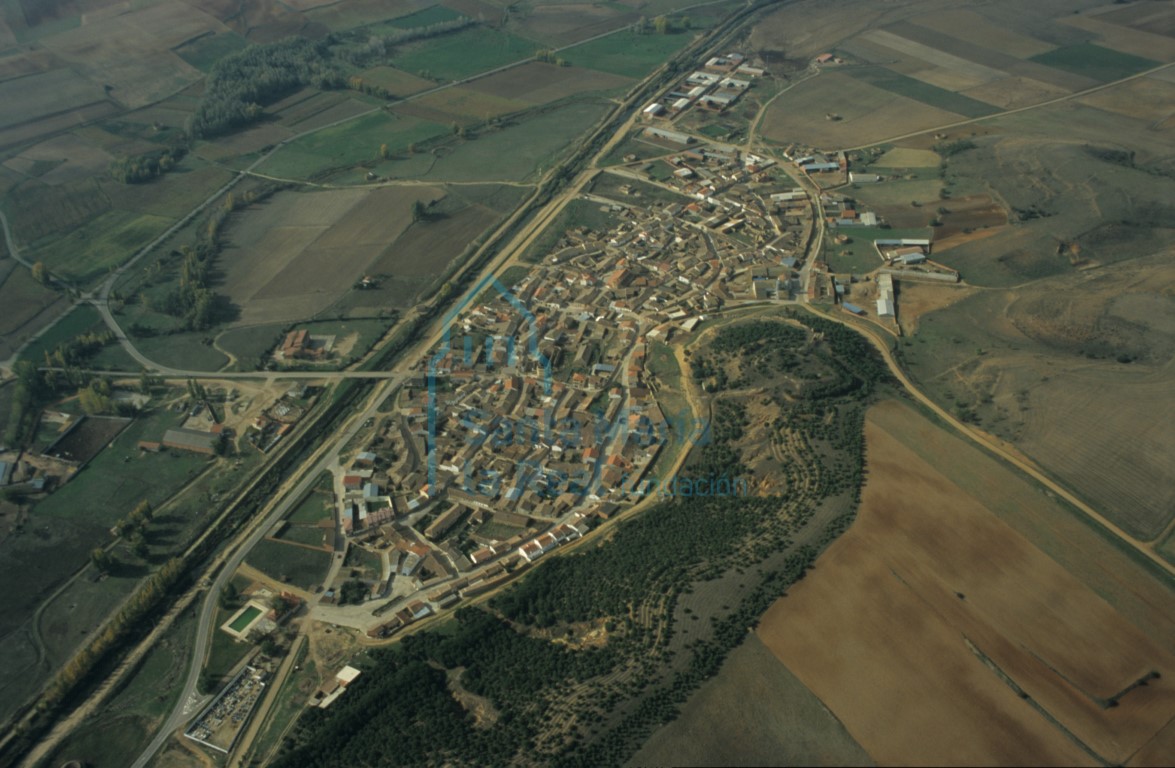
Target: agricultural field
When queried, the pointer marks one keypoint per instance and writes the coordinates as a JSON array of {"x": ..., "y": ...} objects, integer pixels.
[
  {"x": 627, "y": 54},
  {"x": 930, "y": 624},
  {"x": 28, "y": 306},
  {"x": 515, "y": 151},
  {"x": 966, "y": 62},
  {"x": 462, "y": 54},
  {"x": 753, "y": 712},
  {"x": 345, "y": 146},
  {"x": 297, "y": 253},
  {"x": 395, "y": 81}
]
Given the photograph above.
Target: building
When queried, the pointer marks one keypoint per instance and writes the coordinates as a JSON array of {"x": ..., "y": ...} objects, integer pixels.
[
  {"x": 673, "y": 136},
  {"x": 191, "y": 440},
  {"x": 296, "y": 344}
]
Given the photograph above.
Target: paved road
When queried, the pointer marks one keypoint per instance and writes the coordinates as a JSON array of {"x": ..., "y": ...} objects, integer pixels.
[{"x": 180, "y": 715}]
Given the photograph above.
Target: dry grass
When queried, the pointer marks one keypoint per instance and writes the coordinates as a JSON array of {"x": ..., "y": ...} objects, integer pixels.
[
  {"x": 927, "y": 593},
  {"x": 539, "y": 83},
  {"x": 868, "y": 114},
  {"x": 974, "y": 28}
]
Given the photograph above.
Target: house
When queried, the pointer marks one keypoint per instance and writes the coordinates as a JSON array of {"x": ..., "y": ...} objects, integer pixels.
[{"x": 296, "y": 344}]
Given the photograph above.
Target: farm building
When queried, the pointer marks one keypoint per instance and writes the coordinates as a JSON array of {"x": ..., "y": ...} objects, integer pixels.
[
  {"x": 654, "y": 109},
  {"x": 868, "y": 219},
  {"x": 864, "y": 178},
  {"x": 748, "y": 70},
  {"x": 702, "y": 78},
  {"x": 853, "y": 308},
  {"x": 822, "y": 167},
  {"x": 824, "y": 58},
  {"x": 885, "y": 308},
  {"x": 191, "y": 440},
  {"x": 295, "y": 344},
  {"x": 674, "y": 136}
]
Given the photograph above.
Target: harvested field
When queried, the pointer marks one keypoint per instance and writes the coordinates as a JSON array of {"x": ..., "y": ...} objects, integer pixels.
[
  {"x": 343, "y": 110},
  {"x": 966, "y": 214},
  {"x": 395, "y": 81},
  {"x": 336, "y": 16},
  {"x": 203, "y": 52},
  {"x": 540, "y": 83},
  {"x": 32, "y": 97},
  {"x": 1136, "y": 42},
  {"x": 277, "y": 271},
  {"x": 924, "y": 614},
  {"x": 753, "y": 712},
  {"x": 245, "y": 142},
  {"x": 924, "y": 92},
  {"x": 461, "y": 105},
  {"x": 1095, "y": 62},
  {"x": 971, "y": 26},
  {"x": 869, "y": 114},
  {"x": 32, "y": 131},
  {"x": 1014, "y": 92},
  {"x": 970, "y": 73},
  {"x": 74, "y": 159}
]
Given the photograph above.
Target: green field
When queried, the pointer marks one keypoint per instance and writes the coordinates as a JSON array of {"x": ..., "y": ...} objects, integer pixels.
[
  {"x": 224, "y": 651},
  {"x": 203, "y": 52},
  {"x": 90, "y": 251},
  {"x": 462, "y": 54},
  {"x": 315, "y": 506},
  {"x": 521, "y": 150},
  {"x": 291, "y": 564},
  {"x": 250, "y": 345},
  {"x": 920, "y": 91},
  {"x": 121, "y": 476},
  {"x": 346, "y": 145},
  {"x": 626, "y": 53},
  {"x": 1094, "y": 61},
  {"x": 424, "y": 18},
  {"x": 182, "y": 350},
  {"x": 310, "y": 535}
]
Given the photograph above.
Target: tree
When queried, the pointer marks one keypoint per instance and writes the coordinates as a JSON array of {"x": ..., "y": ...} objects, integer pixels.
[
  {"x": 229, "y": 596},
  {"x": 419, "y": 211},
  {"x": 138, "y": 544},
  {"x": 40, "y": 274},
  {"x": 102, "y": 560},
  {"x": 661, "y": 25},
  {"x": 383, "y": 151}
]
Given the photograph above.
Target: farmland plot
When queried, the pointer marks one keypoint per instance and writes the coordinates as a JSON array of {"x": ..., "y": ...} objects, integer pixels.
[
  {"x": 277, "y": 270},
  {"x": 924, "y": 615}
]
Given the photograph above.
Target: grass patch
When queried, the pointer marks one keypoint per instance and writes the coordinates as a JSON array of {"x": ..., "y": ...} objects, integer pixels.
[
  {"x": 465, "y": 53},
  {"x": 1094, "y": 61},
  {"x": 316, "y": 505},
  {"x": 577, "y": 213},
  {"x": 182, "y": 350},
  {"x": 102, "y": 244},
  {"x": 920, "y": 91},
  {"x": 225, "y": 652},
  {"x": 252, "y": 345},
  {"x": 299, "y": 566},
  {"x": 626, "y": 53},
  {"x": 311, "y": 535},
  {"x": 639, "y": 193}
]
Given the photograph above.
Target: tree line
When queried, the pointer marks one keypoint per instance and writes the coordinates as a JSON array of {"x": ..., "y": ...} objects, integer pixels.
[{"x": 141, "y": 168}]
